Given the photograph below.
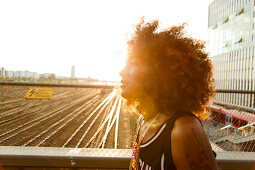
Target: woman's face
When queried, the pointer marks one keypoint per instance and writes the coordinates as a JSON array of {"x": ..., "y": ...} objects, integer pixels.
[{"x": 132, "y": 79}]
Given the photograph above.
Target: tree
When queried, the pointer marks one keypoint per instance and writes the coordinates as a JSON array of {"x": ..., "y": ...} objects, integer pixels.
[
  {"x": 41, "y": 78},
  {"x": 52, "y": 77},
  {"x": 23, "y": 78}
]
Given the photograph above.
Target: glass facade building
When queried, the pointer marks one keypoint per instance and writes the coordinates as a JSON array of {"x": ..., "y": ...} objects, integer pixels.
[{"x": 231, "y": 47}]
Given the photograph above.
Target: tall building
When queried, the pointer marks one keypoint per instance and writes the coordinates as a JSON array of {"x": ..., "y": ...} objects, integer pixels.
[
  {"x": 231, "y": 47},
  {"x": 73, "y": 72}
]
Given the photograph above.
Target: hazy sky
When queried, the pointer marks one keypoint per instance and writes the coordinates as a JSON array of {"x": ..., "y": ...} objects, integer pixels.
[{"x": 49, "y": 36}]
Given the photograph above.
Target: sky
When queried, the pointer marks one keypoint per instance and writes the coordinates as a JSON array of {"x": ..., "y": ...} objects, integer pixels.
[{"x": 49, "y": 36}]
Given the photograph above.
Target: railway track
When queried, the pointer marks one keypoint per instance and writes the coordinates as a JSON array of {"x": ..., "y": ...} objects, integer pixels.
[
  {"x": 75, "y": 139},
  {"x": 36, "y": 122},
  {"x": 36, "y": 109},
  {"x": 72, "y": 118}
]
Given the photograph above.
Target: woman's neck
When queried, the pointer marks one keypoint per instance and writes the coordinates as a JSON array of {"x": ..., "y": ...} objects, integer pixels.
[{"x": 147, "y": 107}]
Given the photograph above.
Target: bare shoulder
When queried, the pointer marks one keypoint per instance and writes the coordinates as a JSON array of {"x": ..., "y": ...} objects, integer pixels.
[{"x": 190, "y": 146}]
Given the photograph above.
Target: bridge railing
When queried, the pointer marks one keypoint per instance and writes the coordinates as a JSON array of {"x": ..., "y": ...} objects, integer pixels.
[
  {"x": 12, "y": 157},
  {"x": 231, "y": 120},
  {"x": 64, "y": 115},
  {"x": 229, "y": 127}
]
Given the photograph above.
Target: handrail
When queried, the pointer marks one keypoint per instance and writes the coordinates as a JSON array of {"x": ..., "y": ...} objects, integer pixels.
[
  {"x": 229, "y": 105},
  {"x": 235, "y": 91},
  {"x": 248, "y": 125},
  {"x": 225, "y": 127},
  {"x": 11, "y": 156},
  {"x": 16, "y": 83},
  {"x": 15, "y": 156}
]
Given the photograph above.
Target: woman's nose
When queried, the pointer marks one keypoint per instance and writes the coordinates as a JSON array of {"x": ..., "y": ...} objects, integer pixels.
[{"x": 122, "y": 72}]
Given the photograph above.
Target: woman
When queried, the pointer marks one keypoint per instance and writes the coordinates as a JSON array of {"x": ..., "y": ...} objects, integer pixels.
[{"x": 169, "y": 78}]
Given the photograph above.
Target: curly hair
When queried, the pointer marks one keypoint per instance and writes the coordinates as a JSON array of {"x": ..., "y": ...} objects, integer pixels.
[{"x": 180, "y": 77}]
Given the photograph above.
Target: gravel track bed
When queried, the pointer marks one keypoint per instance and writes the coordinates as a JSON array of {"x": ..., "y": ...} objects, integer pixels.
[
  {"x": 110, "y": 138},
  {"x": 124, "y": 135},
  {"x": 77, "y": 136},
  {"x": 44, "y": 106},
  {"x": 97, "y": 140},
  {"x": 93, "y": 124},
  {"x": 48, "y": 120},
  {"x": 16, "y": 98},
  {"x": 60, "y": 121},
  {"x": 62, "y": 135},
  {"x": 55, "y": 125},
  {"x": 12, "y": 105}
]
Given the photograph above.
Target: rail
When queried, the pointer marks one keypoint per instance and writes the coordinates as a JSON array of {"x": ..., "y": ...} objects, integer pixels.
[
  {"x": 16, "y": 83},
  {"x": 235, "y": 91},
  {"x": 71, "y": 158},
  {"x": 66, "y": 157},
  {"x": 237, "y": 99}
]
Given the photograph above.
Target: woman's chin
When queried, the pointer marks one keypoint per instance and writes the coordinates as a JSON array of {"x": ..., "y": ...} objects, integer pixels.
[
  {"x": 129, "y": 95},
  {"x": 124, "y": 94}
]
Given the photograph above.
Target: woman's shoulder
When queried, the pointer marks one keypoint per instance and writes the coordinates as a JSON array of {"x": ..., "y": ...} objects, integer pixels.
[
  {"x": 182, "y": 118},
  {"x": 183, "y": 125},
  {"x": 190, "y": 145}
]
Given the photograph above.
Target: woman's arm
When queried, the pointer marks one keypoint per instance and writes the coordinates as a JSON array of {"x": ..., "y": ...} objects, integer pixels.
[{"x": 190, "y": 146}]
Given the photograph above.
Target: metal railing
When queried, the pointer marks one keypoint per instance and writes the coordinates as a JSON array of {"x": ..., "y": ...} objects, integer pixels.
[
  {"x": 231, "y": 122},
  {"x": 17, "y": 83},
  {"x": 236, "y": 99},
  {"x": 94, "y": 158},
  {"x": 18, "y": 115}
]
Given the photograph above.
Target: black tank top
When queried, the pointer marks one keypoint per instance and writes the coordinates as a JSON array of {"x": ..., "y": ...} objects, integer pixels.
[{"x": 156, "y": 153}]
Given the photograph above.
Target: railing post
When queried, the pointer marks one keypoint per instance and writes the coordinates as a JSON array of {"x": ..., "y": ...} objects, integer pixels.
[{"x": 252, "y": 130}]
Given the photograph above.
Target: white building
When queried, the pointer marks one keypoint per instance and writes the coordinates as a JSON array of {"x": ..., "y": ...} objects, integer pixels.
[
  {"x": 46, "y": 75},
  {"x": 4, "y": 73},
  {"x": 231, "y": 45},
  {"x": 73, "y": 72}
]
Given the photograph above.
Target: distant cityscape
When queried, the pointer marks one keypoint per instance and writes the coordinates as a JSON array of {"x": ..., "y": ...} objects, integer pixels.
[
  {"x": 11, "y": 75},
  {"x": 28, "y": 76}
]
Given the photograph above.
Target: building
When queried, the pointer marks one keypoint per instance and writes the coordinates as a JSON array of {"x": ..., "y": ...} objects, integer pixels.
[
  {"x": 231, "y": 47},
  {"x": 14, "y": 75},
  {"x": 73, "y": 72}
]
